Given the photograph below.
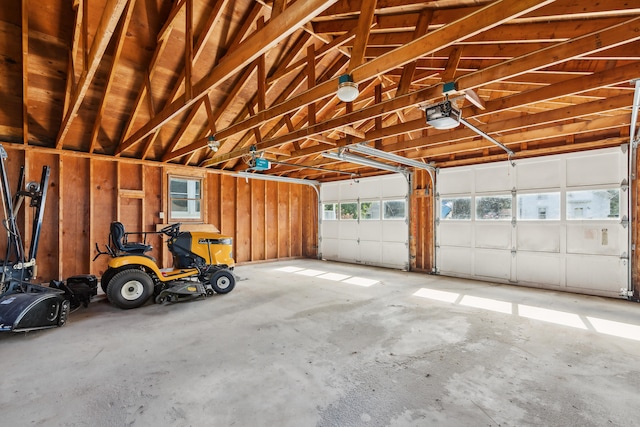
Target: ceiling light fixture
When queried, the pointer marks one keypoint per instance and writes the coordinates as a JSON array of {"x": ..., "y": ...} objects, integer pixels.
[
  {"x": 212, "y": 143},
  {"x": 347, "y": 88}
]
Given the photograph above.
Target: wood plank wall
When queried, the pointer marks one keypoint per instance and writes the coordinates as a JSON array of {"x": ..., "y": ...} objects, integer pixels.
[
  {"x": 267, "y": 220},
  {"x": 421, "y": 223}
]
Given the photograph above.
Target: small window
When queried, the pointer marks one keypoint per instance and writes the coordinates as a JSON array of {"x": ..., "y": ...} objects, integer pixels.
[
  {"x": 493, "y": 207},
  {"x": 593, "y": 204},
  {"x": 185, "y": 199},
  {"x": 395, "y": 209},
  {"x": 455, "y": 208},
  {"x": 370, "y": 210},
  {"x": 539, "y": 206},
  {"x": 349, "y": 210},
  {"x": 329, "y": 211}
]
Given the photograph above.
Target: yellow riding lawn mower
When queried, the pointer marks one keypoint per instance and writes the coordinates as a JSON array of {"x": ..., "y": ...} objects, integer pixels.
[{"x": 202, "y": 265}]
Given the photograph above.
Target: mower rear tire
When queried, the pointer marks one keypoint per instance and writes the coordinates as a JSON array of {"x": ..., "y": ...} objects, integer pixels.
[
  {"x": 106, "y": 277},
  {"x": 223, "y": 281},
  {"x": 130, "y": 288}
]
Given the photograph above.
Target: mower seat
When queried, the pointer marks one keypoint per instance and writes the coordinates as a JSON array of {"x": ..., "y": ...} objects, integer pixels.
[{"x": 119, "y": 240}]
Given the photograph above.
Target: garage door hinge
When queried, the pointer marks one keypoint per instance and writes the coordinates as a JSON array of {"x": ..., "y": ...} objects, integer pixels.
[
  {"x": 624, "y": 221},
  {"x": 513, "y": 221},
  {"x": 513, "y": 252},
  {"x": 626, "y": 293},
  {"x": 624, "y": 185},
  {"x": 624, "y": 256}
]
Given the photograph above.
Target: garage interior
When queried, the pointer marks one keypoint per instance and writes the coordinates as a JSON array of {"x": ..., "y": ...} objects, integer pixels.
[{"x": 433, "y": 208}]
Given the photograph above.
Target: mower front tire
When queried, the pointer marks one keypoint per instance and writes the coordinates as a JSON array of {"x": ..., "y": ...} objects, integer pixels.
[
  {"x": 130, "y": 288},
  {"x": 223, "y": 281}
]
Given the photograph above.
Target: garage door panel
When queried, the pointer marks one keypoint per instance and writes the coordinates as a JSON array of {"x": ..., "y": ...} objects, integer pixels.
[
  {"x": 348, "y": 229},
  {"x": 453, "y": 233},
  {"x": 602, "y": 239},
  {"x": 539, "y": 268},
  {"x": 594, "y": 169},
  {"x": 455, "y": 260},
  {"x": 493, "y": 235},
  {"x": 494, "y": 178},
  {"x": 330, "y": 248},
  {"x": 368, "y": 188},
  {"x": 455, "y": 181},
  {"x": 393, "y": 186},
  {"x": 348, "y": 250},
  {"x": 330, "y": 229},
  {"x": 370, "y": 253},
  {"x": 394, "y": 254},
  {"x": 492, "y": 263},
  {"x": 539, "y": 237},
  {"x": 552, "y": 249},
  {"x": 394, "y": 231},
  {"x": 599, "y": 273},
  {"x": 539, "y": 174},
  {"x": 370, "y": 230}
]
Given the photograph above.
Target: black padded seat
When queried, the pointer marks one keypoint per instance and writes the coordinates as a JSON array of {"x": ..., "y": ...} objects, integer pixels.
[{"x": 118, "y": 237}]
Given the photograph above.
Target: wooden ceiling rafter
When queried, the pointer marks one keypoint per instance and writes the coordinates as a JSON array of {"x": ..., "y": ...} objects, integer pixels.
[
  {"x": 275, "y": 31},
  {"x": 488, "y": 17},
  {"x": 120, "y": 36},
  {"x": 110, "y": 18}
]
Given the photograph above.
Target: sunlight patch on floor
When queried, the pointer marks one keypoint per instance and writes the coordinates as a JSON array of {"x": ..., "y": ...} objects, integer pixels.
[
  {"x": 335, "y": 277},
  {"x": 563, "y": 318}
]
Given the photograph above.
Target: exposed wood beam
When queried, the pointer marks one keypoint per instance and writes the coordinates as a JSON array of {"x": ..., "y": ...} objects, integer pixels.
[
  {"x": 258, "y": 43},
  {"x": 110, "y": 17},
  {"x": 367, "y": 9},
  {"x": 25, "y": 71},
  {"x": 409, "y": 70},
  {"x": 188, "y": 50},
  {"x": 120, "y": 38},
  {"x": 560, "y": 52},
  {"x": 488, "y": 17}
]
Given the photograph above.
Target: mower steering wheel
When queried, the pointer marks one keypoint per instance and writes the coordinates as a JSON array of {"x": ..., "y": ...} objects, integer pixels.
[{"x": 171, "y": 230}]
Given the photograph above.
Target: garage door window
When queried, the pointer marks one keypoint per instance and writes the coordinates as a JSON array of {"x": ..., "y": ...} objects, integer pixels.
[
  {"x": 349, "y": 210},
  {"x": 539, "y": 206},
  {"x": 493, "y": 207},
  {"x": 329, "y": 211},
  {"x": 395, "y": 209},
  {"x": 370, "y": 210},
  {"x": 455, "y": 208},
  {"x": 593, "y": 204}
]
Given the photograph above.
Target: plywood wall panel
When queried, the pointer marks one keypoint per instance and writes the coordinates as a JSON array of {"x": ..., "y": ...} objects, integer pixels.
[
  {"x": 284, "y": 220},
  {"x": 75, "y": 222},
  {"x": 296, "y": 220},
  {"x": 103, "y": 208},
  {"x": 310, "y": 222},
  {"x": 271, "y": 220},
  {"x": 258, "y": 232},
  {"x": 152, "y": 206},
  {"x": 243, "y": 221}
]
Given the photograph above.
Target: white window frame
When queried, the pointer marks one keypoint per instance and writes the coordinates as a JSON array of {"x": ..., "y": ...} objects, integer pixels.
[{"x": 194, "y": 200}]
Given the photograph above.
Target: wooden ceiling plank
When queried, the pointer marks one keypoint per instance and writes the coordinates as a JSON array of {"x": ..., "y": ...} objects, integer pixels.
[
  {"x": 166, "y": 29},
  {"x": 120, "y": 39},
  {"x": 24, "y": 15},
  {"x": 367, "y": 15},
  {"x": 110, "y": 17},
  {"x": 488, "y": 17},
  {"x": 258, "y": 43},
  {"x": 617, "y": 35}
]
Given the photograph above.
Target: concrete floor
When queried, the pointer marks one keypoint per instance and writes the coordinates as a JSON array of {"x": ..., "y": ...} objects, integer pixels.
[{"x": 308, "y": 343}]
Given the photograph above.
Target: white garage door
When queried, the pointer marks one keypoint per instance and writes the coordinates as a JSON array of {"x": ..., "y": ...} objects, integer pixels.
[
  {"x": 557, "y": 222},
  {"x": 366, "y": 221}
]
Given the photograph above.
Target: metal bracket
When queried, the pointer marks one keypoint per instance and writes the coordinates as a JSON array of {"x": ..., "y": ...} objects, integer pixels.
[{"x": 624, "y": 222}]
